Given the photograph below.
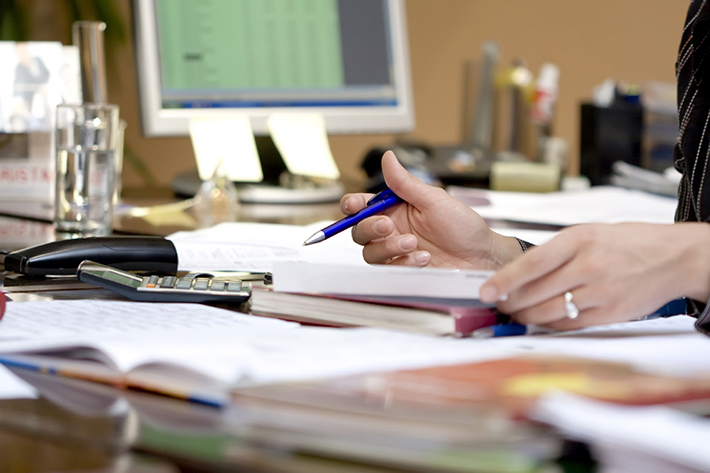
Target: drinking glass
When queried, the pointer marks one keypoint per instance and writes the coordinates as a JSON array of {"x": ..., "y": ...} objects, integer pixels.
[{"x": 86, "y": 138}]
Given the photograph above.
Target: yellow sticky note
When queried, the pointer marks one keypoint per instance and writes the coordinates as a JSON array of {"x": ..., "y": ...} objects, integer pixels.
[
  {"x": 228, "y": 140},
  {"x": 302, "y": 140}
]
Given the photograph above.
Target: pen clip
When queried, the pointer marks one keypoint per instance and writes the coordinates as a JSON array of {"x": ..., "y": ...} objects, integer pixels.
[{"x": 382, "y": 195}]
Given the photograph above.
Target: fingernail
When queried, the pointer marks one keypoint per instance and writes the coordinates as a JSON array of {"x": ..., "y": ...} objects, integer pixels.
[
  {"x": 381, "y": 226},
  {"x": 346, "y": 207},
  {"x": 422, "y": 257},
  {"x": 407, "y": 242},
  {"x": 489, "y": 294}
]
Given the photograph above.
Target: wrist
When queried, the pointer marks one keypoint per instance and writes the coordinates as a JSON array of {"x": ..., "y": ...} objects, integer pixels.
[
  {"x": 696, "y": 263},
  {"x": 504, "y": 249}
]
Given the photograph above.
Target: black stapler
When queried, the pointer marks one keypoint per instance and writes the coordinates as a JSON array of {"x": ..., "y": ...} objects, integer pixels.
[{"x": 129, "y": 253}]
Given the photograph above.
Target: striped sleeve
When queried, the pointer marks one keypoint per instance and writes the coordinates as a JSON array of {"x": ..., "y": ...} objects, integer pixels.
[{"x": 692, "y": 152}]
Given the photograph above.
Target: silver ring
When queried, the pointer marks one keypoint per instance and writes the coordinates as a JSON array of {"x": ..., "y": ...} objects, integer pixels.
[{"x": 570, "y": 307}]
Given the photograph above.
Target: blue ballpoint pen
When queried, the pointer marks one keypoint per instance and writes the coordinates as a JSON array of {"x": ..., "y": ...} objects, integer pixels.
[
  {"x": 508, "y": 330},
  {"x": 377, "y": 204}
]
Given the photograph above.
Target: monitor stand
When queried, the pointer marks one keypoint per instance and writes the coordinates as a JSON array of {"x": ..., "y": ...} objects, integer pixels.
[{"x": 278, "y": 186}]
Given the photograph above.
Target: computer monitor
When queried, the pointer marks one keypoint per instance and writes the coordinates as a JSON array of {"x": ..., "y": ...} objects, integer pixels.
[{"x": 345, "y": 59}]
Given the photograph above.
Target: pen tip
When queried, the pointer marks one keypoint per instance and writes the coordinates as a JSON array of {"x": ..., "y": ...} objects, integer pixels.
[{"x": 315, "y": 238}]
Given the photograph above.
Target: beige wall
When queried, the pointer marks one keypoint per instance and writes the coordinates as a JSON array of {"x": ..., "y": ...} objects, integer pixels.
[{"x": 591, "y": 40}]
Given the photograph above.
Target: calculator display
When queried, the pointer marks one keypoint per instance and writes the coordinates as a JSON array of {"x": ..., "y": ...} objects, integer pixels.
[{"x": 121, "y": 279}]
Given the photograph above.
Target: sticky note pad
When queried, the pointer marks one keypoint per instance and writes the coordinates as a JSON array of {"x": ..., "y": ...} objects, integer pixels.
[
  {"x": 227, "y": 140},
  {"x": 303, "y": 143}
]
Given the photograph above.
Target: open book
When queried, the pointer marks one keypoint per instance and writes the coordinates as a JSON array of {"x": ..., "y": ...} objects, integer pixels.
[{"x": 199, "y": 353}]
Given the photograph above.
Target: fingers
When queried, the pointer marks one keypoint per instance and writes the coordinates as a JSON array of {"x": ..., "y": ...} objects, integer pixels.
[
  {"x": 599, "y": 302},
  {"x": 418, "y": 258},
  {"x": 383, "y": 244},
  {"x": 533, "y": 265},
  {"x": 385, "y": 249},
  {"x": 406, "y": 186},
  {"x": 351, "y": 203},
  {"x": 553, "y": 310},
  {"x": 570, "y": 275},
  {"x": 372, "y": 228}
]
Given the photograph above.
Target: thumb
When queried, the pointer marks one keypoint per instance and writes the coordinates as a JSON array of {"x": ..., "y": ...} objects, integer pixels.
[{"x": 405, "y": 185}]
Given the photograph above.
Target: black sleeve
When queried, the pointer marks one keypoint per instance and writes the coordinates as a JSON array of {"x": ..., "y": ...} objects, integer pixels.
[
  {"x": 524, "y": 245},
  {"x": 692, "y": 153}
]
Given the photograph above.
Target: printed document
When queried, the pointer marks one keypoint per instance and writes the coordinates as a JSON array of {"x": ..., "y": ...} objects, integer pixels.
[
  {"x": 52, "y": 319},
  {"x": 240, "y": 246}
]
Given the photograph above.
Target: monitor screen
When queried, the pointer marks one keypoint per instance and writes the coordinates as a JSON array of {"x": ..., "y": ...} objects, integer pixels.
[{"x": 345, "y": 59}]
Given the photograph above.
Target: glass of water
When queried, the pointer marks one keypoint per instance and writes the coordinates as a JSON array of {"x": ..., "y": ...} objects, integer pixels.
[{"x": 86, "y": 139}]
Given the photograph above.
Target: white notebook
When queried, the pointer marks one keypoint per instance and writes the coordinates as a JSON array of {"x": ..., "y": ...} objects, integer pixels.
[{"x": 378, "y": 280}]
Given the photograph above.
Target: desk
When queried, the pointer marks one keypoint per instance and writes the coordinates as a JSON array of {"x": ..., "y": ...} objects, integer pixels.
[
  {"x": 40, "y": 435},
  {"x": 69, "y": 441}
]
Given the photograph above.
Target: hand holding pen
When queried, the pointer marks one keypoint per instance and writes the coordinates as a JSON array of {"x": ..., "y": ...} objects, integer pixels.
[
  {"x": 430, "y": 228},
  {"x": 376, "y": 205}
]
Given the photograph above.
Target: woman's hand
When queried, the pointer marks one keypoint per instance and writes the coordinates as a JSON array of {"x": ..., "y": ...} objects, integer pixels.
[
  {"x": 430, "y": 228},
  {"x": 614, "y": 273}
]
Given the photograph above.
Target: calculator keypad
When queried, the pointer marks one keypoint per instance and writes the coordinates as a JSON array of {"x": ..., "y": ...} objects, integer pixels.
[{"x": 174, "y": 285}]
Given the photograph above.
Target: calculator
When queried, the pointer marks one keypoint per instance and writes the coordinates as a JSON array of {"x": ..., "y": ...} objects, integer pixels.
[{"x": 166, "y": 288}]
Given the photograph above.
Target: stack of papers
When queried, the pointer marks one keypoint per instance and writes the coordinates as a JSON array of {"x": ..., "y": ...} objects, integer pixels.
[{"x": 598, "y": 204}]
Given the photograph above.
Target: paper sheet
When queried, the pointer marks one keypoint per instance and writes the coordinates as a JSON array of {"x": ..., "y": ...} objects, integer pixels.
[
  {"x": 660, "y": 431},
  {"x": 649, "y": 345},
  {"x": 303, "y": 143},
  {"x": 598, "y": 204},
  {"x": 12, "y": 387},
  {"x": 36, "y": 320},
  {"x": 227, "y": 141},
  {"x": 255, "y": 247}
]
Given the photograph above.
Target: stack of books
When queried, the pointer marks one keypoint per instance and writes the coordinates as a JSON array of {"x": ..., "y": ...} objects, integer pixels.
[
  {"x": 429, "y": 301},
  {"x": 464, "y": 417}
]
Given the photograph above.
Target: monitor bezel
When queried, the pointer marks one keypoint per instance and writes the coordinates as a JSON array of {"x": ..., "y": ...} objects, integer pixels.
[{"x": 157, "y": 121}]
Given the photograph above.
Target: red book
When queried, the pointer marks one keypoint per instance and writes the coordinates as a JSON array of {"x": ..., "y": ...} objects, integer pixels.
[
  {"x": 2, "y": 305},
  {"x": 359, "y": 311}
]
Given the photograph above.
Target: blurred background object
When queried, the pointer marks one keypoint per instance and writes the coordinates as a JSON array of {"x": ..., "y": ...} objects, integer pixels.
[{"x": 443, "y": 37}]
